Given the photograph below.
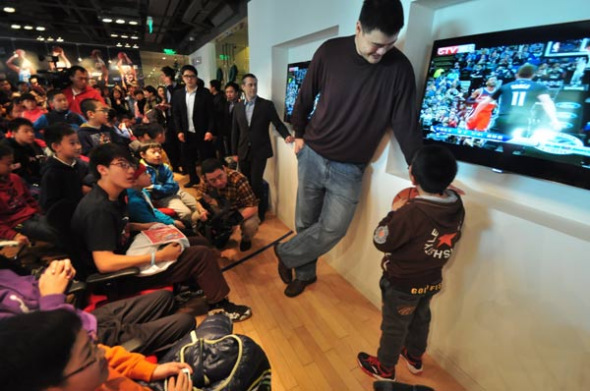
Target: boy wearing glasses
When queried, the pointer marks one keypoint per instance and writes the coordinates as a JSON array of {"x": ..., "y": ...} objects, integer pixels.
[
  {"x": 101, "y": 231},
  {"x": 94, "y": 132}
]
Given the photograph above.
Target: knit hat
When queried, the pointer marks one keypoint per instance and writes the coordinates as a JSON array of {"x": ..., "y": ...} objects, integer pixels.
[{"x": 141, "y": 168}]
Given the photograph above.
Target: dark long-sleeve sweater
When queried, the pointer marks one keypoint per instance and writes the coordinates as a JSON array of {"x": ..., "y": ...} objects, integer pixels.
[
  {"x": 418, "y": 239},
  {"x": 358, "y": 101}
]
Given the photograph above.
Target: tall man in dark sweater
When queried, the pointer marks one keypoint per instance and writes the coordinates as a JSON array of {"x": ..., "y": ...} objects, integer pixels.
[{"x": 366, "y": 85}]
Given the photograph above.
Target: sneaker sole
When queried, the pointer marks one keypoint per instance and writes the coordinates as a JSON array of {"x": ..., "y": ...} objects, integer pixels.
[
  {"x": 373, "y": 375},
  {"x": 411, "y": 368}
]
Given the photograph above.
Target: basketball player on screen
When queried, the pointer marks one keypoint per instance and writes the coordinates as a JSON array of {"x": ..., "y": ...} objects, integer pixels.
[{"x": 516, "y": 99}]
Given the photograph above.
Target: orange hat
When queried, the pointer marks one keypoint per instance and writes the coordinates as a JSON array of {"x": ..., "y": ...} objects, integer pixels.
[{"x": 139, "y": 170}]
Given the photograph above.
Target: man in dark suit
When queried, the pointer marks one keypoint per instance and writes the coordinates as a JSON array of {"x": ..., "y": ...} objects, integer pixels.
[
  {"x": 171, "y": 145},
  {"x": 250, "y": 136},
  {"x": 192, "y": 110}
]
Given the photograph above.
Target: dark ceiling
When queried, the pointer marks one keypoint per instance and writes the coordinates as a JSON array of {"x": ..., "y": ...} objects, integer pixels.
[{"x": 182, "y": 25}]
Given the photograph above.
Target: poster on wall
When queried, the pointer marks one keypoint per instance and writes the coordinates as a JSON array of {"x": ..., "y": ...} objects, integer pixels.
[{"x": 107, "y": 66}]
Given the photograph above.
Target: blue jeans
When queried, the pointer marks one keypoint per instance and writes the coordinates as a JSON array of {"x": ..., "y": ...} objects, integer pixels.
[
  {"x": 406, "y": 323},
  {"x": 327, "y": 196}
]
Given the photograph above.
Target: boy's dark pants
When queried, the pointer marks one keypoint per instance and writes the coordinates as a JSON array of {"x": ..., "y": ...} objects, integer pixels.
[
  {"x": 406, "y": 321},
  {"x": 37, "y": 228}
]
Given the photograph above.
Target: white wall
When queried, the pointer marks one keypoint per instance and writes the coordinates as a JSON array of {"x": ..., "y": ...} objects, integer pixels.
[
  {"x": 207, "y": 66},
  {"x": 514, "y": 313}
]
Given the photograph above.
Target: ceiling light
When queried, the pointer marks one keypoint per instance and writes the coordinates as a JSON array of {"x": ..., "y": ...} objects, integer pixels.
[
  {"x": 124, "y": 36},
  {"x": 40, "y": 28},
  {"x": 50, "y": 39},
  {"x": 127, "y": 45},
  {"x": 107, "y": 20},
  {"x": 114, "y": 36},
  {"x": 40, "y": 38},
  {"x": 27, "y": 27},
  {"x": 163, "y": 58},
  {"x": 119, "y": 44},
  {"x": 59, "y": 39},
  {"x": 133, "y": 22},
  {"x": 120, "y": 21},
  {"x": 10, "y": 10},
  {"x": 135, "y": 46},
  {"x": 79, "y": 59},
  {"x": 134, "y": 37},
  {"x": 15, "y": 26},
  {"x": 110, "y": 61}
]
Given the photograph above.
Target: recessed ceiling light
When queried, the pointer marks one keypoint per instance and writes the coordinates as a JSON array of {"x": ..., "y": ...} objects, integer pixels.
[
  {"x": 127, "y": 45},
  {"x": 40, "y": 28},
  {"x": 59, "y": 39},
  {"x": 124, "y": 36},
  {"x": 27, "y": 27},
  {"x": 10, "y": 10},
  {"x": 114, "y": 36},
  {"x": 50, "y": 39},
  {"x": 133, "y": 22},
  {"x": 134, "y": 37},
  {"x": 119, "y": 44},
  {"x": 163, "y": 58},
  {"x": 15, "y": 26},
  {"x": 120, "y": 21},
  {"x": 107, "y": 20},
  {"x": 135, "y": 46},
  {"x": 40, "y": 38}
]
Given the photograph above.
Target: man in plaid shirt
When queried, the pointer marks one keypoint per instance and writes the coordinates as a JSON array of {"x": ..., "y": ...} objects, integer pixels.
[{"x": 223, "y": 188}]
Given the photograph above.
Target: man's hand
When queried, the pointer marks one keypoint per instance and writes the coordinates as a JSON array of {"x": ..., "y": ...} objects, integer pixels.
[
  {"x": 179, "y": 224},
  {"x": 55, "y": 279},
  {"x": 299, "y": 144},
  {"x": 208, "y": 136},
  {"x": 169, "y": 253},
  {"x": 181, "y": 383},
  {"x": 168, "y": 369},
  {"x": 289, "y": 139},
  {"x": 181, "y": 137},
  {"x": 22, "y": 240}
]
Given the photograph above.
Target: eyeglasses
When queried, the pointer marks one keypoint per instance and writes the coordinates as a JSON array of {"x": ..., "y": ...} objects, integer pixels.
[
  {"x": 93, "y": 349},
  {"x": 189, "y": 76},
  {"x": 124, "y": 165}
]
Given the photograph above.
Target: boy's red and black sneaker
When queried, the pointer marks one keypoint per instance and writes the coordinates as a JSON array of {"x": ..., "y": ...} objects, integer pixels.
[
  {"x": 372, "y": 367},
  {"x": 414, "y": 364}
]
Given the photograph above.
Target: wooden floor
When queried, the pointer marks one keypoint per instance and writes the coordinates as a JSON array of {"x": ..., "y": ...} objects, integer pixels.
[{"x": 312, "y": 340}]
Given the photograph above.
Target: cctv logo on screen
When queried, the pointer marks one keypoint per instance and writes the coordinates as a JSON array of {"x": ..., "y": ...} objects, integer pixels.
[{"x": 455, "y": 49}]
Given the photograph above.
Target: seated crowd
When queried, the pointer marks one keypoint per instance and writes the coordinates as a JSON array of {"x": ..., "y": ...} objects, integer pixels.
[{"x": 69, "y": 154}]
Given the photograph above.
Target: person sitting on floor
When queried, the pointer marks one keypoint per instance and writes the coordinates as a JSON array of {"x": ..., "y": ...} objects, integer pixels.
[
  {"x": 150, "y": 318},
  {"x": 165, "y": 191},
  {"x": 20, "y": 214},
  {"x": 101, "y": 232},
  {"x": 49, "y": 350}
]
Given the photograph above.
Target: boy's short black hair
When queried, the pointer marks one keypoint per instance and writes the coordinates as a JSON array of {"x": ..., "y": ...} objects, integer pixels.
[
  {"x": 145, "y": 146},
  {"x": 104, "y": 154},
  {"x": 53, "y": 93},
  {"x": 40, "y": 345},
  {"x": 88, "y": 105},
  {"x": 247, "y": 75},
  {"x": 56, "y": 132},
  {"x": 27, "y": 96},
  {"x": 16, "y": 123},
  {"x": 386, "y": 16},
  {"x": 189, "y": 67},
  {"x": 211, "y": 165},
  {"x": 434, "y": 167},
  {"x": 5, "y": 150},
  {"x": 137, "y": 92}
]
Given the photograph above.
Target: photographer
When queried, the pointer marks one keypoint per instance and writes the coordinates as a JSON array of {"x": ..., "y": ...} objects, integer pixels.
[{"x": 221, "y": 194}]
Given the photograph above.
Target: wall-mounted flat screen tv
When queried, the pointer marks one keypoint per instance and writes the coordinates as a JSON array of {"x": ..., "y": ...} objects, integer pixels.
[
  {"x": 516, "y": 101},
  {"x": 295, "y": 74}
]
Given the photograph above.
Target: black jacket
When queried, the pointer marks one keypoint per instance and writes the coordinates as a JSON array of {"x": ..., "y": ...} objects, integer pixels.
[
  {"x": 203, "y": 112},
  {"x": 253, "y": 142}
]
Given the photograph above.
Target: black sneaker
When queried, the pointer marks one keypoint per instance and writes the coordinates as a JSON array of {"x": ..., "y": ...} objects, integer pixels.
[
  {"x": 414, "y": 364},
  {"x": 245, "y": 245},
  {"x": 372, "y": 367},
  {"x": 285, "y": 273},
  {"x": 297, "y": 287},
  {"x": 235, "y": 312}
]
